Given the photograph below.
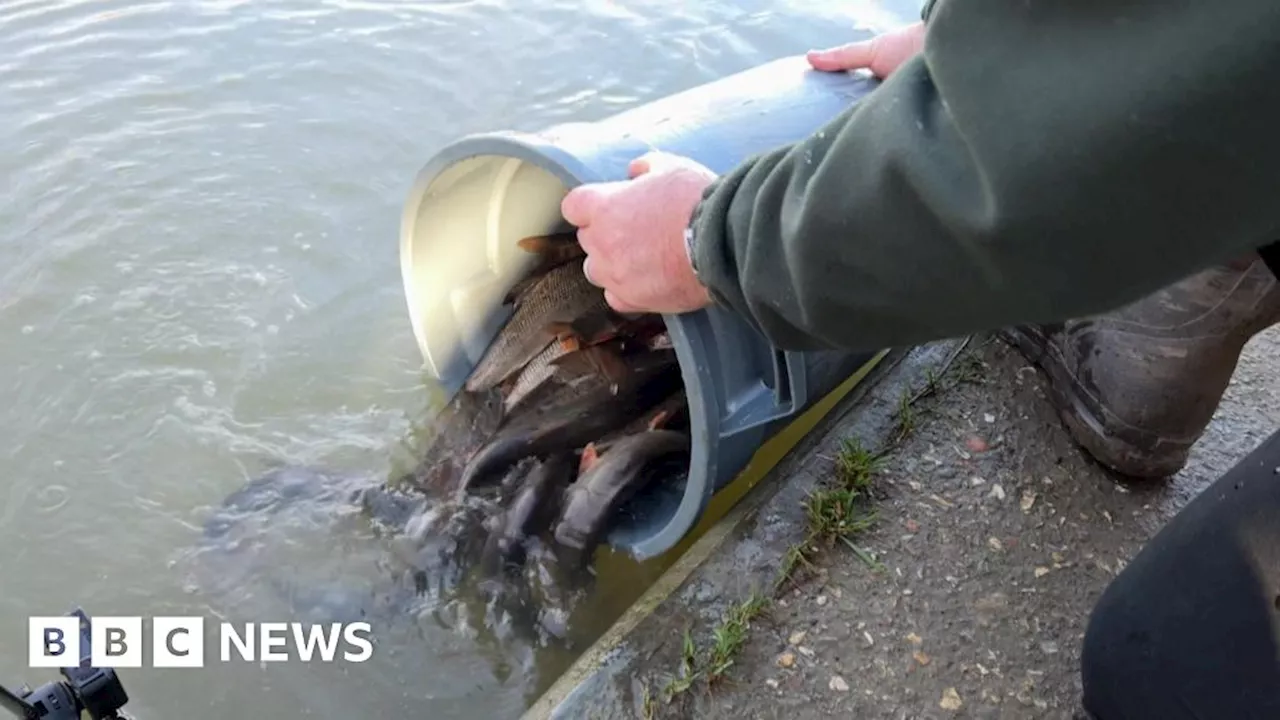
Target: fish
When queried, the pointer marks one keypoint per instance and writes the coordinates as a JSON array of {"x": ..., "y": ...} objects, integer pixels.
[
  {"x": 602, "y": 360},
  {"x": 567, "y": 361},
  {"x": 670, "y": 413},
  {"x": 446, "y": 440},
  {"x": 563, "y": 295},
  {"x": 537, "y": 372},
  {"x": 553, "y": 251},
  {"x": 573, "y": 418},
  {"x": 610, "y": 481},
  {"x": 533, "y": 509}
]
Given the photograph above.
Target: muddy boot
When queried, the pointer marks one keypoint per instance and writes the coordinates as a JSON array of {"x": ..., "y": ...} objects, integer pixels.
[{"x": 1137, "y": 387}]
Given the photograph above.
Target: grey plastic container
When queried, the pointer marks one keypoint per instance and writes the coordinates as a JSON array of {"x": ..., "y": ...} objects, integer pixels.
[{"x": 476, "y": 197}]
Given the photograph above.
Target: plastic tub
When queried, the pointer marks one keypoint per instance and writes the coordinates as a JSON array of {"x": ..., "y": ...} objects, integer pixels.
[{"x": 476, "y": 197}]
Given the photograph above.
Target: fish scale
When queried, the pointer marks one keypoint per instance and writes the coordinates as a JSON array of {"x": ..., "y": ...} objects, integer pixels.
[
  {"x": 539, "y": 370},
  {"x": 561, "y": 296}
]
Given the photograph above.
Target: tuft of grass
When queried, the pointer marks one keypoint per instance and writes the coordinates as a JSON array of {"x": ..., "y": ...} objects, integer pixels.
[
  {"x": 835, "y": 513},
  {"x": 727, "y": 641},
  {"x": 731, "y": 635},
  {"x": 688, "y": 669},
  {"x": 648, "y": 707},
  {"x": 796, "y": 556},
  {"x": 856, "y": 466},
  {"x": 904, "y": 419}
]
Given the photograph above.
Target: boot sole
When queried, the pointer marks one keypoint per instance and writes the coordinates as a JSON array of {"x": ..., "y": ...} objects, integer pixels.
[{"x": 1112, "y": 442}]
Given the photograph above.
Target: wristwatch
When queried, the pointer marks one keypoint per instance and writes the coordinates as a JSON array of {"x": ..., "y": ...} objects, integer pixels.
[
  {"x": 927, "y": 10},
  {"x": 688, "y": 249}
]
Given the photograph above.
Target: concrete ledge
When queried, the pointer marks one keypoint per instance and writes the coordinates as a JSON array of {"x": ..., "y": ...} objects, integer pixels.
[{"x": 739, "y": 554}]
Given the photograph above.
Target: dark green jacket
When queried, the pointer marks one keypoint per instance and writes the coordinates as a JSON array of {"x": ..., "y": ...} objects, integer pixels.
[{"x": 1039, "y": 160}]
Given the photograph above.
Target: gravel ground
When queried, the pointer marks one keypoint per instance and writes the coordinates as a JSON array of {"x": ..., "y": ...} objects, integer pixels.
[{"x": 997, "y": 534}]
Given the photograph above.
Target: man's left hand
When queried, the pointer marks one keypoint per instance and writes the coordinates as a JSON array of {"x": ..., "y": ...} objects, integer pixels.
[{"x": 633, "y": 234}]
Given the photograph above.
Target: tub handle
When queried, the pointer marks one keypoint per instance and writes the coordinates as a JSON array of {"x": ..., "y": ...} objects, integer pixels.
[{"x": 789, "y": 396}]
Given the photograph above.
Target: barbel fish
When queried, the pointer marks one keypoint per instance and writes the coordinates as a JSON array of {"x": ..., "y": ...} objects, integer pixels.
[
  {"x": 610, "y": 481},
  {"x": 531, "y": 511}
]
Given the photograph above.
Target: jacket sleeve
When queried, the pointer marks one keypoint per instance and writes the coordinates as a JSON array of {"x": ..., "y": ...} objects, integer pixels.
[{"x": 1038, "y": 161}]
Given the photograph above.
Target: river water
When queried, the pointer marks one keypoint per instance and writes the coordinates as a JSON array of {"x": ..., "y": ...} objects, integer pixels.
[{"x": 198, "y": 279}]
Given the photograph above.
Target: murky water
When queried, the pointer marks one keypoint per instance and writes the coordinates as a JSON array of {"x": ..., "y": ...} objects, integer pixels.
[{"x": 198, "y": 280}]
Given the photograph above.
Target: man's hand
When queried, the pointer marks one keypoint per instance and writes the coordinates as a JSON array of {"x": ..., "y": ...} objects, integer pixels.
[
  {"x": 881, "y": 54},
  {"x": 633, "y": 233}
]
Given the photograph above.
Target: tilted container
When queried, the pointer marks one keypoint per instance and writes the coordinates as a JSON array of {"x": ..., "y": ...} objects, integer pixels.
[{"x": 478, "y": 196}]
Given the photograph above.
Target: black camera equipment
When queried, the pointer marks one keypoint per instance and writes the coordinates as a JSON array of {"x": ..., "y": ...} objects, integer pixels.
[{"x": 96, "y": 691}]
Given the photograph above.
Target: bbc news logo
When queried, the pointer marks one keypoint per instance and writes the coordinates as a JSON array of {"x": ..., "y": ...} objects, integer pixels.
[{"x": 179, "y": 642}]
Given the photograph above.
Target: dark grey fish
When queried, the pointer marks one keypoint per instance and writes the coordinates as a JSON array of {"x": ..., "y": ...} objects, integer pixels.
[
  {"x": 532, "y": 511},
  {"x": 569, "y": 420},
  {"x": 609, "y": 482}
]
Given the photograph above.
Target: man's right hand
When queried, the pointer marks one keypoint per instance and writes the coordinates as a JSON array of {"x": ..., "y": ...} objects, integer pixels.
[{"x": 881, "y": 54}]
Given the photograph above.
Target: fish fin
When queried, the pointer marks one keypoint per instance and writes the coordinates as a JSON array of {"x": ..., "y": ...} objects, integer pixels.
[
  {"x": 611, "y": 366},
  {"x": 561, "y": 330},
  {"x": 597, "y": 327},
  {"x": 669, "y": 411},
  {"x": 658, "y": 420},
  {"x": 598, "y": 360},
  {"x": 573, "y": 364},
  {"x": 543, "y": 244},
  {"x": 589, "y": 458},
  {"x": 553, "y": 250}
]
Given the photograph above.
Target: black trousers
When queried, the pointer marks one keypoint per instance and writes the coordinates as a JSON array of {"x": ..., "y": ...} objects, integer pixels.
[{"x": 1191, "y": 628}]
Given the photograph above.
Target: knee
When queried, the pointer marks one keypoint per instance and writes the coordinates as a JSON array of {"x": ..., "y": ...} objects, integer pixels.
[{"x": 1117, "y": 653}]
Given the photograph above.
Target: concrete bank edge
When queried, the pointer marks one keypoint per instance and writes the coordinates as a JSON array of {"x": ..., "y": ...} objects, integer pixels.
[{"x": 594, "y": 685}]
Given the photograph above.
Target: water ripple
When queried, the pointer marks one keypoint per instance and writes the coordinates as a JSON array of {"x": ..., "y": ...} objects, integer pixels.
[{"x": 198, "y": 280}]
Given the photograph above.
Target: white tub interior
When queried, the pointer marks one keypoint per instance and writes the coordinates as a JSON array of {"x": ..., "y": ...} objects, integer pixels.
[{"x": 458, "y": 252}]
